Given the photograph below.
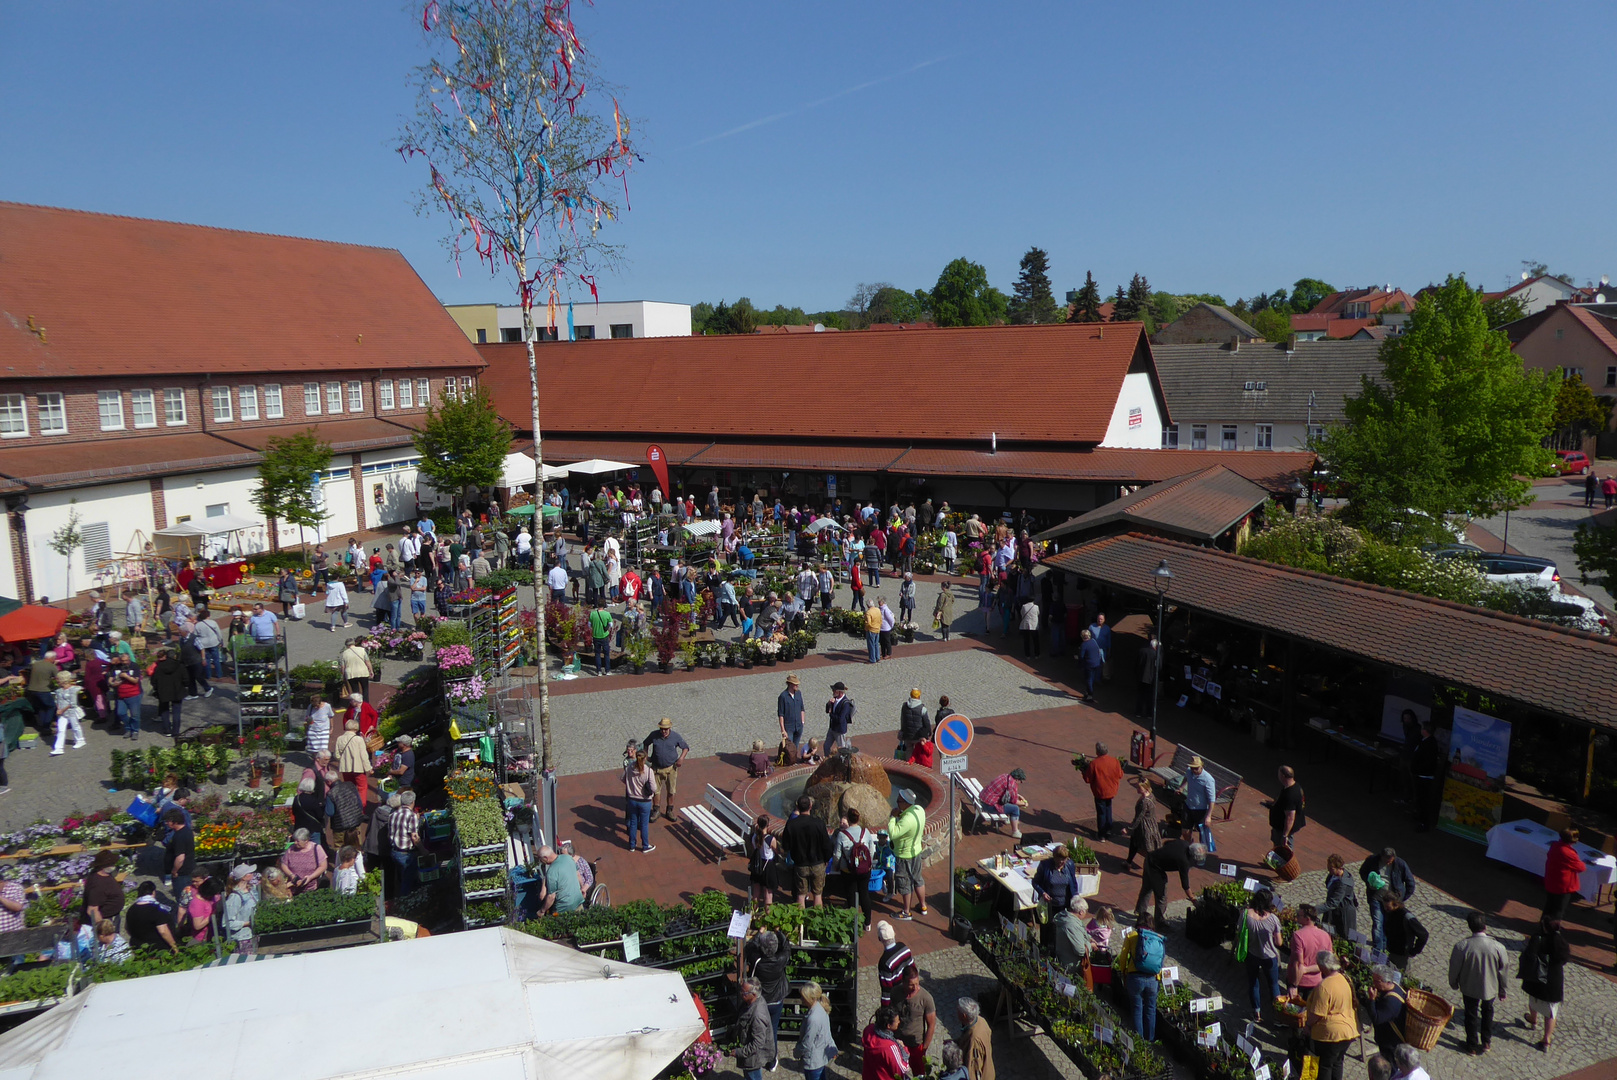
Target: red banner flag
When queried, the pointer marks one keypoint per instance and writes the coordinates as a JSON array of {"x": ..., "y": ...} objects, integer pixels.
[{"x": 659, "y": 465}]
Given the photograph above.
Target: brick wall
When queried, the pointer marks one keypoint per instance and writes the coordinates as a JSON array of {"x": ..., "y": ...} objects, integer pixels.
[
  {"x": 82, "y": 408},
  {"x": 159, "y": 503}
]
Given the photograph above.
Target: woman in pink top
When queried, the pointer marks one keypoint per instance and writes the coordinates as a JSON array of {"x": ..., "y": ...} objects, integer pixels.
[
  {"x": 64, "y": 654},
  {"x": 304, "y": 862},
  {"x": 1307, "y": 942},
  {"x": 199, "y": 909}
]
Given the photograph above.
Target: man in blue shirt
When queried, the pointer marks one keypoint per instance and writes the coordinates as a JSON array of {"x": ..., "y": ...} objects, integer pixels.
[
  {"x": 1201, "y": 792},
  {"x": 1103, "y": 637},
  {"x": 666, "y": 749},
  {"x": 789, "y": 710},
  {"x": 1090, "y": 657},
  {"x": 261, "y": 625}
]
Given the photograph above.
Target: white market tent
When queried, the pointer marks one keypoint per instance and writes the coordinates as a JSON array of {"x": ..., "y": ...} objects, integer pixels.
[
  {"x": 596, "y": 466},
  {"x": 489, "y": 1004},
  {"x": 189, "y": 537},
  {"x": 819, "y": 525},
  {"x": 518, "y": 471},
  {"x": 699, "y": 529}
]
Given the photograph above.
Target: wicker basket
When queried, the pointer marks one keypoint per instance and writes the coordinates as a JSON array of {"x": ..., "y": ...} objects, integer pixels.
[
  {"x": 1283, "y": 861},
  {"x": 1425, "y": 1018}
]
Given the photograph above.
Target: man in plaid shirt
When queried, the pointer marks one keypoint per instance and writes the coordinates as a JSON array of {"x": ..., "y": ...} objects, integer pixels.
[{"x": 404, "y": 832}]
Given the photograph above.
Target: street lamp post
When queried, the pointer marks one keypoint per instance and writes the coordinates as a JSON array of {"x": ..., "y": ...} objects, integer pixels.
[{"x": 1161, "y": 577}]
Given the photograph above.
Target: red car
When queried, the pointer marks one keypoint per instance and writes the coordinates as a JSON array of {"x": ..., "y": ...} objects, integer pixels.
[{"x": 1572, "y": 461}]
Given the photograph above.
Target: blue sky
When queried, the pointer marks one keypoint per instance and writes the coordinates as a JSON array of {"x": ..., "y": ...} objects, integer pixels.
[{"x": 1226, "y": 148}]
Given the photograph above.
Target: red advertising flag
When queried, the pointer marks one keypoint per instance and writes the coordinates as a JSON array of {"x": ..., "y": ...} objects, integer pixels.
[{"x": 659, "y": 465}]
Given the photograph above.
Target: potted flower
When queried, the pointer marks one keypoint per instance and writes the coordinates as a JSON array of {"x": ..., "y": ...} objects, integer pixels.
[
  {"x": 731, "y": 654},
  {"x": 906, "y": 631},
  {"x": 638, "y": 649},
  {"x": 769, "y": 649}
]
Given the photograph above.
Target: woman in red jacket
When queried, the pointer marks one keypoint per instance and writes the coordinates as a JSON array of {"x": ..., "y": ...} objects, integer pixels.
[
  {"x": 885, "y": 1057},
  {"x": 1561, "y": 869}
]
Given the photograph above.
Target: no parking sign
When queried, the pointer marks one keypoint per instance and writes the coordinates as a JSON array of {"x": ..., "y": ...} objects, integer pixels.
[{"x": 954, "y": 734}]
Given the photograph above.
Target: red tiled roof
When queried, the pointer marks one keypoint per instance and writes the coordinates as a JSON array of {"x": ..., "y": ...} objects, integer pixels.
[
  {"x": 154, "y": 297},
  {"x": 789, "y": 328},
  {"x": 1599, "y": 327},
  {"x": 689, "y": 385},
  {"x": 360, "y": 433},
  {"x": 1564, "y": 672},
  {"x": 1273, "y": 469},
  {"x": 904, "y": 326},
  {"x": 562, "y": 451},
  {"x": 1333, "y": 326},
  {"x": 111, "y": 460},
  {"x": 796, "y": 456},
  {"x": 1202, "y": 505}
]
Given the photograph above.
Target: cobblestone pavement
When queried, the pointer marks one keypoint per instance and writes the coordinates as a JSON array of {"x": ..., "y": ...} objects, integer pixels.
[{"x": 724, "y": 715}]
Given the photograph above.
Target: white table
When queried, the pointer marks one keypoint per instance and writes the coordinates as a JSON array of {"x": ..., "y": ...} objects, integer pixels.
[
  {"x": 1526, "y": 844},
  {"x": 1017, "y": 877}
]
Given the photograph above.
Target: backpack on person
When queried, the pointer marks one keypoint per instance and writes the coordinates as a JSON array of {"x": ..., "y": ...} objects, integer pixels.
[
  {"x": 1151, "y": 953},
  {"x": 857, "y": 860}
]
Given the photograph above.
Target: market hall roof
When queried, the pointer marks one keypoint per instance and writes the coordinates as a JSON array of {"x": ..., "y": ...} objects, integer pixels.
[
  {"x": 1263, "y": 382},
  {"x": 1202, "y": 505},
  {"x": 1056, "y": 383},
  {"x": 1568, "y": 673},
  {"x": 86, "y": 295}
]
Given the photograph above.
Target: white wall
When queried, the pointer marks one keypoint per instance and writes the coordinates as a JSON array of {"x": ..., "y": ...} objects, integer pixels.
[
  {"x": 124, "y": 508},
  {"x": 395, "y": 471},
  {"x": 341, "y": 515},
  {"x": 8, "y": 565},
  {"x": 650, "y": 318},
  {"x": 190, "y": 495},
  {"x": 1286, "y": 436},
  {"x": 1147, "y": 432}
]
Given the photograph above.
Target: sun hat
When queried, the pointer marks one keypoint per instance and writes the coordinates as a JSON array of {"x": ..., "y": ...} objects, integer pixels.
[
  {"x": 793, "y": 679},
  {"x": 1195, "y": 763},
  {"x": 665, "y": 723},
  {"x": 906, "y": 795}
]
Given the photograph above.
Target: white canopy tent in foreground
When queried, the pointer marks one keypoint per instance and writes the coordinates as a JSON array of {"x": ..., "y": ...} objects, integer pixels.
[
  {"x": 483, "y": 1005},
  {"x": 189, "y": 538},
  {"x": 518, "y": 471},
  {"x": 595, "y": 466}
]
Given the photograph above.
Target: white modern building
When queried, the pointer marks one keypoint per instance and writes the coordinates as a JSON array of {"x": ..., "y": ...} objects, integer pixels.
[{"x": 486, "y": 324}]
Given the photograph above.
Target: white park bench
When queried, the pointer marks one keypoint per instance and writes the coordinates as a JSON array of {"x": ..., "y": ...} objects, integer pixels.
[
  {"x": 974, "y": 799},
  {"x": 719, "y": 821}
]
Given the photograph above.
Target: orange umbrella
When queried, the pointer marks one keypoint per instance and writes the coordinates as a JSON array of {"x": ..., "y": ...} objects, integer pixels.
[{"x": 32, "y": 622}]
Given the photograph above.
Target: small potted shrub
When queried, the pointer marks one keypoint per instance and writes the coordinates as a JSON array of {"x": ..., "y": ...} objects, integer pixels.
[{"x": 638, "y": 649}]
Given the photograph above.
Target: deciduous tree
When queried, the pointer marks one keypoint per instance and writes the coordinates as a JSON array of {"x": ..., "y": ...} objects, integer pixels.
[
  {"x": 963, "y": 297},
  {"x": 1272, "y": 325},
  {"x": 1308, "y": 292},
  {"x": 463, "y": 443},
  {"x": 289, "y": 480}
]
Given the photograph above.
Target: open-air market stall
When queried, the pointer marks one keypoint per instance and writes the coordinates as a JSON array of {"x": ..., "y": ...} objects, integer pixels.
[
  {"x": 209, "y": 537},
  {"x": 493, "y": 1004}
]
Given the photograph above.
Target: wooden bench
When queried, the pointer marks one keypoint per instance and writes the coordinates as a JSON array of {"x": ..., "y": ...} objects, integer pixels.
[
  {"x": 719, "y": 821},
  {"x": 1226, "y": 782},
  {"x": 974, "y": 799}
]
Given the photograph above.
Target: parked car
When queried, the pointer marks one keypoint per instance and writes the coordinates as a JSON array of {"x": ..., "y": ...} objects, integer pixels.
[
  {"x": 1527, "y": 570},
  {"x": 1562, "y": 608},
  {"x": 1568, "y": 462}
]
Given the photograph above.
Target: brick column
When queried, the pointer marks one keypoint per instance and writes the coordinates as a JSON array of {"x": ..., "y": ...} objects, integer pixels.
[
  {"x": 17, "y": 528},
  {"x": 159, "y": 504},
  {"x": 359, "y": 491}
]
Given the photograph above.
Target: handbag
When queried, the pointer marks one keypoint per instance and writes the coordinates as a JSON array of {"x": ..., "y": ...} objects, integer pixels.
[{"x": 1243, "y": 939}]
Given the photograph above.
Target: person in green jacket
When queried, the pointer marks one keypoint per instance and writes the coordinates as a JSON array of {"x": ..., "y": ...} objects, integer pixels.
[
  {"x": 601, "y": 632},
  {"x": 905, "y": 833}
]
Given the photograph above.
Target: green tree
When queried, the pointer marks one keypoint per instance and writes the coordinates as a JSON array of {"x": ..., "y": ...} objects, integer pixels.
[
  {"x": 1271, "y": 325},
  {"x": 1164, "y": 309},
  {"x": 1308, "y": 292},
  {"x": 891, "y": 305},
  {"x": 1577, "y": 413},
  {"x": 1595, "y": 547},
  {"x": 1453, "y": 428},
  {"x": 66, "y": 540},
  {"x": 1086, "y": 305},
  {"x": 963, "y": 297},
  {"x": 700, "y": 314},
  {"x": 1032, "y": 300},
  {"x": 289, "y": 481},
  {"x": 1122, "y": 307},
  {"x": 527, "y": 164},
  {"x": 1503, "y": 309},
  {"x": 463, "y": 443}
]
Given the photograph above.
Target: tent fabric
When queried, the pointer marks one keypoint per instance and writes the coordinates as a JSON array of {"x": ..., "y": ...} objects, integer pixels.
[
  {"x": 518, "y": 470},
  {"x": 8, "y": 605},
  {"x": 702, "y": 528},
  {"x": 819, "y": 525},
  {"x": 596, "y": 466},
  {"x": 210, "y": 526},
  {"x": 31, "y": 622},
  {"x": 489, "y": 1004}
]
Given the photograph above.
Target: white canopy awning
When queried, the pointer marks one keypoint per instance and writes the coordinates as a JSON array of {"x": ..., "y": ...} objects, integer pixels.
[
  {"x": 819, "y": 525},
  {"x": 210, "y": 526},
  {"x": 702, "y": 528},
  {"x": 518, "y": 471},
  {"x": 595, "y": 466},
  {"x": 489, "y": 1004}
]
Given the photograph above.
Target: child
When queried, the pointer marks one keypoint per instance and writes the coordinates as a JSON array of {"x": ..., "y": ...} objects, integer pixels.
[
  {"x": 763, "y": 848},
  {"x": 346, "y": 879},
  {"x": 922, "y": 754},
  {"x": 68, "y": 711},
  {"x": 812, "y": 755},
  {"x": 758, "y": 762}
]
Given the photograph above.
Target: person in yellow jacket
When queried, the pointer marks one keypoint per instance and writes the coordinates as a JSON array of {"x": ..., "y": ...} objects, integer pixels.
[
  {"x": 904, "y": 832},
  {"x": 1331, "y": 1021},
  {"x": 873, "y": 630}
]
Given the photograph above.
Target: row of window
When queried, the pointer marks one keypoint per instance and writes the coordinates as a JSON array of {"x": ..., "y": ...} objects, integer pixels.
[
  {"x": 1577, "y": 372},
  {"x": 1228, "y": 436},
  {"x": 229, "y": 404},
  {"x": 581, "y": 332}
]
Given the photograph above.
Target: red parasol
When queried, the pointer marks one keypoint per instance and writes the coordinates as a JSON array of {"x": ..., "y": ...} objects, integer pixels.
[{"x": 31, "y": 623}]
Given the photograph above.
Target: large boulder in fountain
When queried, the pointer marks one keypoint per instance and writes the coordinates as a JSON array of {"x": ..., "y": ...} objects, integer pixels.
[
  {"x": 853, "y": 769},
  {"x": 833, "y": 797}
]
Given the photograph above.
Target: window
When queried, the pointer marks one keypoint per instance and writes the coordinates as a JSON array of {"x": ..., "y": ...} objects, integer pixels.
[
  {"x": 510, "y": 333},
  {"x": 622, "y": 329},
  {"x": 1559, "y": 333},
  {"x": 1266, "y": 437},
  {"x": 465, "y": 386},
  {"x": 221, "y": 405},
  {"x": 311, "y": 399},
  {"x": 1316, "y": 432},
  {"x": 482, "y": 336},
  {"x": 584, "y": 333},
  {"x": 13, "y": 416},
  {"x": 1227, "y": 438},
  {"x": 247, "y": 402},
  {"x": 1611, "y": 376},
  {"x": 1170, "y": 436},
  {"x": 52, "y": 415},
  {"x": 384, "y": 393},
  {"x": 174, "y": 407},
  {"x": 216, "y": 510},
  {"x": 272, "y": 402},
  {"x": 96, "y": 536},
  {"x": 1572, "y": 373},
  {"x": 546, "y": 333},
  {"x": 1198, "y": 436},
  {"x": 449, "y": 390},
  {"x": 356, "y": 397},
  {"x": 406, "y": 398},
  {"x": 110, "y": 403},
  {"x": 423, "y": 396},
  {"x": 143, "y": 404},
  {"x": 334, "y": 397}
]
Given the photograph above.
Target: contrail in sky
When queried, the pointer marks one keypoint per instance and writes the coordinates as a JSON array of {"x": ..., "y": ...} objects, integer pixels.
[{"x": 749, "y": 125}]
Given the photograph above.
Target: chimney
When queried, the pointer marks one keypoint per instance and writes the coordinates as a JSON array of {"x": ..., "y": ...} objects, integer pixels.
[
  {"x": 1235, "y": 343},
  {"x": 1291, "y": 344},
  {"x": 993, "y": 442}
]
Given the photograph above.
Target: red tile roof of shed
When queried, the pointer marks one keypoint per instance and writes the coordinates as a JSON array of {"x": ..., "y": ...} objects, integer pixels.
[
  {"x": 1565, "y": 672},
  {"x": 766, "y": 385},
  {"x": 1201, "y": 505},
  {"x": 130, "y": 296}
]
